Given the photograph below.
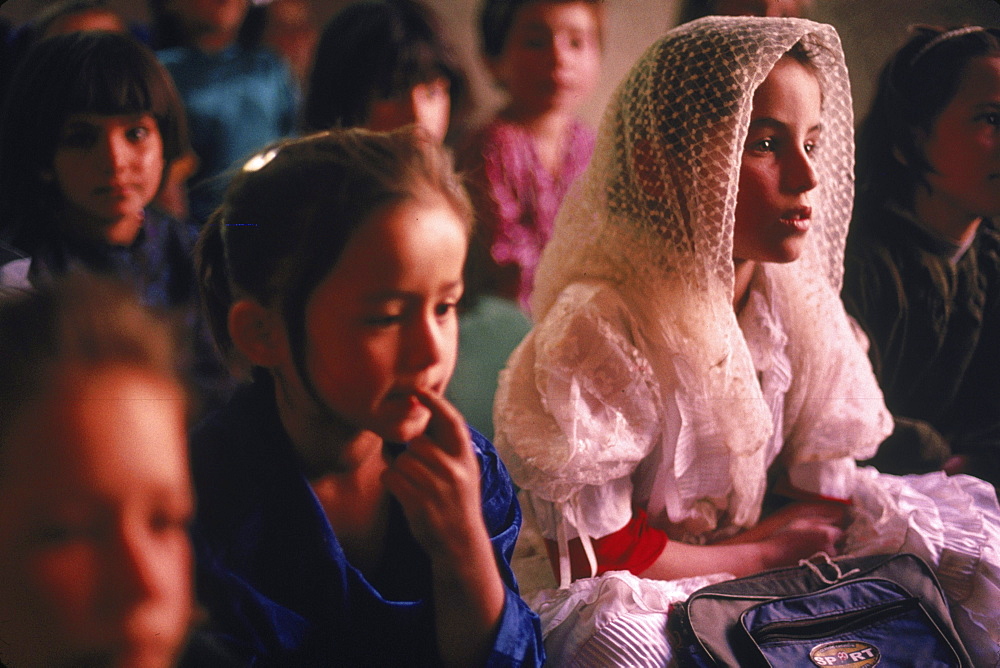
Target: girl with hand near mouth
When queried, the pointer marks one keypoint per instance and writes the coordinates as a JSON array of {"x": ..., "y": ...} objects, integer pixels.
[
  {"x": 922, "y": 273},
  {"x": 692, "y": 398},
  {"x": 346, "y": 513}
]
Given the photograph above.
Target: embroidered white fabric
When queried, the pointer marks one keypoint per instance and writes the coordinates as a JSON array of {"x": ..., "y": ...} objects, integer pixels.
[
  {"x": 652, "y": 217},
  {"x": 638, "y": 384}
]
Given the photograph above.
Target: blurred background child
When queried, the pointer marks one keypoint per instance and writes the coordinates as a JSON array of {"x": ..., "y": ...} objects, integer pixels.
[
  {"x": 694, "y": 9},
  {"x": 94, "y": 489},
  {"x": 66, "y": 16},
  {"x": 90, "y": 126},
  {"x": 239, "y": 96},
  {"x": 383, "y": 65},
  {"x": 290, "y": 29},
  {"x": 347, "y": 515},
  {"x": 546, "y": 55},
  {"x": 923, "y": 257}
]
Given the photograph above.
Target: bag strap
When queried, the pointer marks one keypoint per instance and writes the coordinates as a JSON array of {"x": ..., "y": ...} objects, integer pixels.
[{"x": 825, "y": 561}]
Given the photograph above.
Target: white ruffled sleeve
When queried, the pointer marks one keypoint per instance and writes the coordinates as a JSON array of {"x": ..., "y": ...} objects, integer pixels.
[{"x": 576, "y": 411}]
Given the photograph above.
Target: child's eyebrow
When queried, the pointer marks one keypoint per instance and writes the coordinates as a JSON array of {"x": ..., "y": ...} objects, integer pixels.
[
  {"x": 390, "y": 295},
  {"x": 769, "y": 122}
]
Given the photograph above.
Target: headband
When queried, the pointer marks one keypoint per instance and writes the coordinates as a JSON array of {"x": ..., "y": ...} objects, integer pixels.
[{"x": 951, "y": 34}]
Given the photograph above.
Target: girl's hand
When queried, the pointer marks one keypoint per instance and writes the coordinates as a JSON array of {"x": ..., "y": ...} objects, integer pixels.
[
  {"x": 828, "y": 512},
  {"x": 800, "y": 538},
  {"x": 796, "y": 531},
  {"x": 436, "y": 480}
]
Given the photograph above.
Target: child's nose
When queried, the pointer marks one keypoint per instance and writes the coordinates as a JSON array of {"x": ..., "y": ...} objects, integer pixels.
[
  {"x": 800, "y": 174},
  {"x": 561, "y": 52},
  {"x": 134, "y": 568},
  {"x": 114, "y": 151},
  {"x": 426, "y": 344}
]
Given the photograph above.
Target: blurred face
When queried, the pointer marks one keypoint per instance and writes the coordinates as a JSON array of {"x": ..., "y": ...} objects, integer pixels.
[
  {"x": 108, "y": 168},
  {"x": 963, "y": 147},
  {"x": 776, "y": 173},
  {"x": 224, "y": 16},
  {"x": 383, "y": 323},
  {"x": 91, "y": 19},
  {"x": 426, "y": 104},
  {"x": 761, "y": 7},
  {"x": 552, "y": 57},
  {"x": 93, "y": 525}
]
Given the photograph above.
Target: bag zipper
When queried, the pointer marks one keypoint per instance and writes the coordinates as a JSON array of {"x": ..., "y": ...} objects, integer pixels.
[{"x": 832, "y": 624}]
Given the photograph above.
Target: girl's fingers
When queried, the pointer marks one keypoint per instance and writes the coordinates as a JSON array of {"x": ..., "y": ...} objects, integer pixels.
[{"x": 446, "y": 426}]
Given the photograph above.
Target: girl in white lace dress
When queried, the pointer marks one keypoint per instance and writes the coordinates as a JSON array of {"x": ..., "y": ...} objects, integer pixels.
[{"x": 692, "y": 362}]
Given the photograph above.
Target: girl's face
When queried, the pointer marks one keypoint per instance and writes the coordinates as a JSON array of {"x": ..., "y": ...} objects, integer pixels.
[
  {"x": 382, "y": 324},
  {"x": 95, "y": 503},
  {"x": 89, "y": 19},
  {"x": 552, "y": 56},
  {"x": 108, "y": 168},
  {"x": 776, "y": 172},
  {"x": 426, "y": 104},
  {"x": 224, "y": 16},
  {"x": 963, "y": 147}
]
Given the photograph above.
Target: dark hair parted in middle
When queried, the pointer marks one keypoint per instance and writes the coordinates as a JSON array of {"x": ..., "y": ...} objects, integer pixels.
[
  {"x": 80, "y": 73},
  {"x": 914, "y": 87},
  {"x": 371, "y": 51},
  {"x": 290, "y": 212}
]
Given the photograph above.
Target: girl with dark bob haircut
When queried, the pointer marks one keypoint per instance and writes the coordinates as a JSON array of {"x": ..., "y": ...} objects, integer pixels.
[{"x": 84, "y": 73}]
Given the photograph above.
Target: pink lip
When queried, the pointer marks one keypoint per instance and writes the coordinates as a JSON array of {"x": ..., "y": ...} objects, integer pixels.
[{"x": 798, "y": 217}]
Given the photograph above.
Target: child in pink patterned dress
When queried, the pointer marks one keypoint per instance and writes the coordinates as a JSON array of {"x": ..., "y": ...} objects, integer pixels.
[{"x": 546, "y": 54}]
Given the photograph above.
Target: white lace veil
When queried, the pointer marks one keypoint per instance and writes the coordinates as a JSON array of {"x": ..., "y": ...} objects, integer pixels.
[{"x": 653, "y": 215}]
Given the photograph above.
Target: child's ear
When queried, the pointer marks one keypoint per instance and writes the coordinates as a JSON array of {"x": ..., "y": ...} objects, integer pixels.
[{"x": 258, "y": 333}]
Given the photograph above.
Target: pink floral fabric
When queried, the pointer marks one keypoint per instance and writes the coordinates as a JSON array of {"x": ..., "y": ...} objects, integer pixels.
[{"x": 517, "y": 199}]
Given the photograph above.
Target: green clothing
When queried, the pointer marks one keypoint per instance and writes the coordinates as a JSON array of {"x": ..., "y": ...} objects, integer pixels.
[{"x": 488, "y": 334}]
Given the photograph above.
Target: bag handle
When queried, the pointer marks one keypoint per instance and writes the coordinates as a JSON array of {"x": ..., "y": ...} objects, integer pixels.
[{"x": 825, "y": 561}]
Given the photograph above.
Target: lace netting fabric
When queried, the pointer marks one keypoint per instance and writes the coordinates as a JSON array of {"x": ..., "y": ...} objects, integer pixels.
[{"x": 653, "y": 216}]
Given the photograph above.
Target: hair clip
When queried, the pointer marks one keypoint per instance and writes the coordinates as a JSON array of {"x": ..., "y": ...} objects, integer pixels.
[
  {"x": 259, "y": 161},
  {"x": 951, "y": 34}
]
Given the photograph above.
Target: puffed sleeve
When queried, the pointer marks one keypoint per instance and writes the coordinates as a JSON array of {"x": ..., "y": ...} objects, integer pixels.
[{"x": 577, "y": 411}]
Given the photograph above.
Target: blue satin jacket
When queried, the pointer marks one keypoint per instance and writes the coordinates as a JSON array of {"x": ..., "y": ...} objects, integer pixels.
[{"x": 275, "y": 581}]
